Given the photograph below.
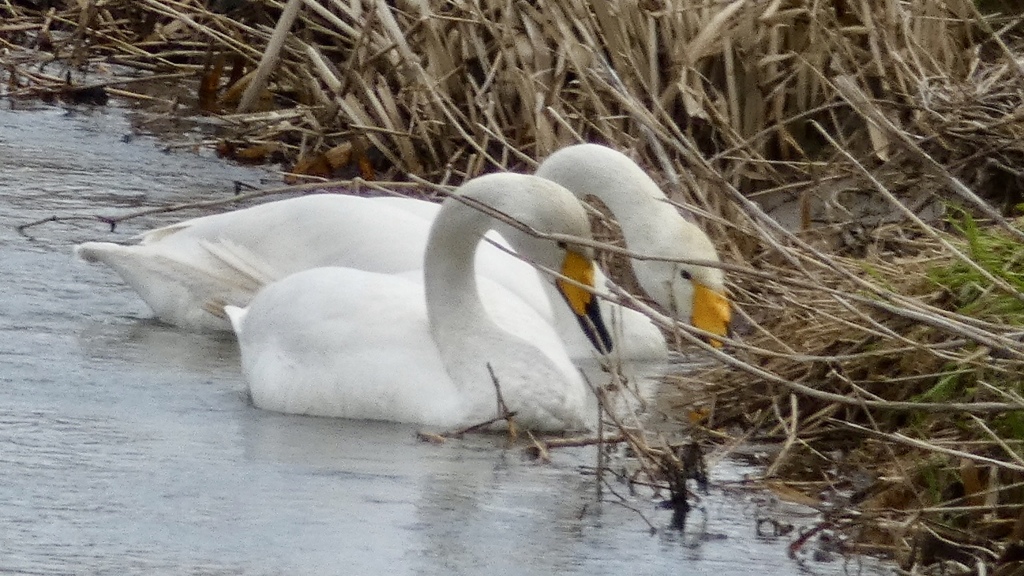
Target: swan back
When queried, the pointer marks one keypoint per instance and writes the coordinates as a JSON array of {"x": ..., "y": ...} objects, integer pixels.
[
  {"x": 651, "y": 226},
  {"x": 184, "y": 270}
]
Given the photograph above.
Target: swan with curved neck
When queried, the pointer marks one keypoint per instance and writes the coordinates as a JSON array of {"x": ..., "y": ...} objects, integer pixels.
[
  {"x": 350, "y": 343},
  {"x": 650, "y": 226}
]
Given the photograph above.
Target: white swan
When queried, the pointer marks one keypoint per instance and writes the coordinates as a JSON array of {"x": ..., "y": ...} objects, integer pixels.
[
  {"x": 178, "y": 270},
  {"x": 349, "y": 343}
]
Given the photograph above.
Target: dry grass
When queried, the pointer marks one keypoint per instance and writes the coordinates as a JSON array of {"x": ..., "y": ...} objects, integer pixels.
[{"x": 865, "y": 348}]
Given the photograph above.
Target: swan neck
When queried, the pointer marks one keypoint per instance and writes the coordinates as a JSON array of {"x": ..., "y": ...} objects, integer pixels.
[
  {"x": 635, "y": 200},
  {"x": 638, "y": 216},
  {"x": 453, "y": 302}
]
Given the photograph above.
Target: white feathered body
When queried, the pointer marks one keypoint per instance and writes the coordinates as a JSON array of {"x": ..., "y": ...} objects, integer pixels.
[
  {"x": 421, "y": 347},
  {"x": 347, "y": 343}
]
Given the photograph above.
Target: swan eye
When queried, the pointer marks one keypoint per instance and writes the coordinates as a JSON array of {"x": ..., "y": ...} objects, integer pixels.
[
  {"x": 562, "y": 245},
  {"x": 686, "y": 275}
]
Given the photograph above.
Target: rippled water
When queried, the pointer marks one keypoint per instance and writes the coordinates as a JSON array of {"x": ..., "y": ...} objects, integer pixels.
[{"x": 127, "y": 446}]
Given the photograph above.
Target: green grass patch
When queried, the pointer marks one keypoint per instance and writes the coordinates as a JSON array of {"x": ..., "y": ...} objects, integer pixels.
[
  {"x": 997, "y": 253},
  {"x": 949, "y": 388}
]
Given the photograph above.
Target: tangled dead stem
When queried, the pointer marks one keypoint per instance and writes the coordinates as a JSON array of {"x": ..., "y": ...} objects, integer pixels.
[{"x": 857, "y": 163}]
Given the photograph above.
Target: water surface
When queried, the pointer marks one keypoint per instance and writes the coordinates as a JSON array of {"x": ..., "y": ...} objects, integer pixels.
[{"x": 127, "y": 447}]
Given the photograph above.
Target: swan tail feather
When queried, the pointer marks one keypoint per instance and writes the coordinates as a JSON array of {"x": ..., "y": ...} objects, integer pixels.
[
  {"x": 243, "y": 261},
  {"x": 93, "y": 251},
  {"x": 216, "y": 306},
  {"x": 180, "y": 289},
  {"x": 236, "y": 315},
  {"x": 157, "y": 234}
]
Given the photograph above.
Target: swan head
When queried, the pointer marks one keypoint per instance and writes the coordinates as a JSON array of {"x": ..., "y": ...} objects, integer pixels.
[
  {"x": 692, "y": 293},
  {"x": 549, "y": 208}
]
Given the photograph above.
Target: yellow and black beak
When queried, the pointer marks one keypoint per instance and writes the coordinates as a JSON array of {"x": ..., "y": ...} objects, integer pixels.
[
  {"x": 711, "y": 312},
  {"x": 586, "y": 306}
]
